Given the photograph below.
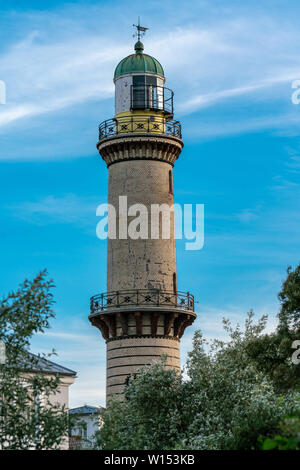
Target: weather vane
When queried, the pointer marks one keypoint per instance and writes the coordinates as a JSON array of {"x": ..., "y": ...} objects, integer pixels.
[{"x": 141, "y": 30}]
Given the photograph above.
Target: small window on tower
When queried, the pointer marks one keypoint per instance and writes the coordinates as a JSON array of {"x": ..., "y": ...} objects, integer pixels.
[
  {"x": 170, "y": 182},
  {"x": 174, "y": 283}
]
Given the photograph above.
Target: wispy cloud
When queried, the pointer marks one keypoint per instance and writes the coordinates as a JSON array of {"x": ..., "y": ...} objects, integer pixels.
[
  {"x": 65, "y": 336},
  {"x": 213, "y": 127},
  {"x": 293, "y": 161},
  {"x": 245, "y": 215},
  {"x": 43, "y": 78},
  {"x": 248, "y": 215},
  {"x": 204, "y": 100},
  {"x": 283, "y": 184},
  {"x": 68, "y": 209},
  {"x": 223, "y": 60}
]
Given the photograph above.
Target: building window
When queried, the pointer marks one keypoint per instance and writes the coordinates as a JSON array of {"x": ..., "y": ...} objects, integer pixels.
[{"x": 83, "y": 432}]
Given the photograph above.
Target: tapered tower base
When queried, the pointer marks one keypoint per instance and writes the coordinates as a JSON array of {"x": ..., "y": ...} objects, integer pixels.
[
  {"x": 125, "y": 356},
  {"x": 140, "y": 335}
]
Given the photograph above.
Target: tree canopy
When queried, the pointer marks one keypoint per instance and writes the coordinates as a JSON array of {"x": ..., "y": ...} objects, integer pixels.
[
  {"x": 239, "y": 394},
  {"x": 29, "y": 420}
]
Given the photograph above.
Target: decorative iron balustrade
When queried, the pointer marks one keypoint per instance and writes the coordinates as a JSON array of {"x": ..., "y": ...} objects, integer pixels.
[
  {"x": 141, "y": 298},
  {"x": 139, "y": 124},
  {"x": 152, "y": 97}
]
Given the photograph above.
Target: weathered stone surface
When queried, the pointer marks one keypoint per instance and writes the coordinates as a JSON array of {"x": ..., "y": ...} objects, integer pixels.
[
  {"x": 141, "y": 264},
  {"x": 141, "y": 168},
  {"x": 126, "y": 356}
]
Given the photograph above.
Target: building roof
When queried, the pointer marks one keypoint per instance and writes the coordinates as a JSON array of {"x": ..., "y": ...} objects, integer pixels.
[
  {"x": 138, "y": 63},
  {"x": 86, "y": 410},
  {"x": 33, "y": 363},
  {"x": 44, "y": 365}
]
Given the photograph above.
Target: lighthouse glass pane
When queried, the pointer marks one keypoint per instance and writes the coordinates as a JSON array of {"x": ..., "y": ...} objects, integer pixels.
[
  {"x": 146, "y": 94},
  {"x": 139, "y": 95},
  {"x": 151, "y": 92},
  {"x": 159, "y": 97}
]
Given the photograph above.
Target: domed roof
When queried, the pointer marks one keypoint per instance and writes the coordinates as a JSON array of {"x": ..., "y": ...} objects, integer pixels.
[{"x": 138, "y": 62}]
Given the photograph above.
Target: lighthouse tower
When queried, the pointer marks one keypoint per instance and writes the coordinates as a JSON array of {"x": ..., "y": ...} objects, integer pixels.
[{"x": 142, "y": 315}]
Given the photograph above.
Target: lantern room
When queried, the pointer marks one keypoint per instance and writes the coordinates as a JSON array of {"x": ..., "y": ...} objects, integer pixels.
[{"x": 139, "y": 86}]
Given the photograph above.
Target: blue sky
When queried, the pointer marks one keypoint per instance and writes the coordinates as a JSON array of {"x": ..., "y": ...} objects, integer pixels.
[{"x": 231, "y": 65}]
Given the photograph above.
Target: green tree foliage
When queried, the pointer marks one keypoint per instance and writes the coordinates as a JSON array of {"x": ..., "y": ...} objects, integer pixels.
[
  {"x": 272, "y": 353},
  {"x": 151, "y": 415},
  {"x": 289, "y": 296},
  {"x": 226, "y": 403},
  {"x": 287, "y": 436},
  {"x": 236, "y": 401},
  {"x": 236, "y": 391},
  {"x": 28, "y": 420}
]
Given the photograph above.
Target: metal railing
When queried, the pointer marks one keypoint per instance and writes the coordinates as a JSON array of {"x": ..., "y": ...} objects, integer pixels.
[
  {"x": 152, "y": 97},
  {"x": 139, "y": 124},
  {"x": 141, "y": 297}
]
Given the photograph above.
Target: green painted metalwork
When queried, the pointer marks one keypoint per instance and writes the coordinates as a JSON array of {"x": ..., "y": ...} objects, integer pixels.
[{"x": 138, "y": 62}]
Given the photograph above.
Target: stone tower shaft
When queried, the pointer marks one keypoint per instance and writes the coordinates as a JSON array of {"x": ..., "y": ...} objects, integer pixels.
[{"x": 142, "y": 315}]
